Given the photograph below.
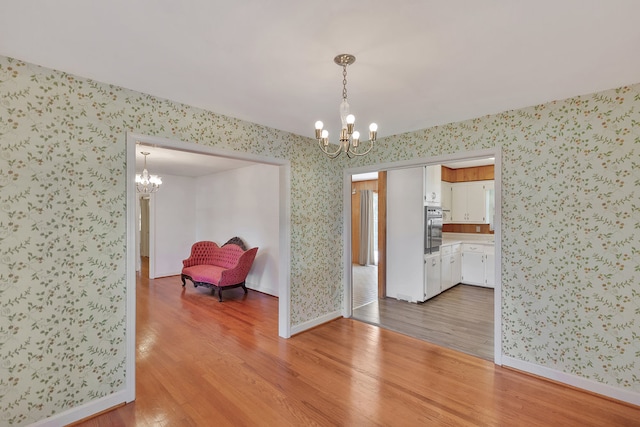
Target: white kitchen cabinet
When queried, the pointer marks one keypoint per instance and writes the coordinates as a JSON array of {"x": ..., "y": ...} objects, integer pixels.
[
  {"x": 473, "y": 268},
  {"x": 468, "y": 202},
  {"x": 450, "y": 269},
  {"x": 456, "y": 264},
  {"x": 490, "y": 268},
  {"x": 445, "y": 197},
  {"x": 432, "y": 188},
  {"x": 445, "y": 268},
  {"x": 405, "y": 234},
  {"x": 478, "y": 265},
  {"x": 432, "y": 275}
]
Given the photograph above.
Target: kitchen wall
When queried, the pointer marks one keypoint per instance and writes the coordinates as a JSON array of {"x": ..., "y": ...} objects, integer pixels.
[{"x": 569, "y": 228}]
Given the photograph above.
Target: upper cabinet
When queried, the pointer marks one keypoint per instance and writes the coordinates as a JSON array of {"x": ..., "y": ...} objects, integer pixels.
[
  {"x": 446, "y": 202},
  {"x": 469, "y": 202},
  {"x": 432, "y": 188}
]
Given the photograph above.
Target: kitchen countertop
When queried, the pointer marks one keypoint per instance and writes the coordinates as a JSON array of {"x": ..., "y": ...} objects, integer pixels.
[{"x": 480, "y": 239}]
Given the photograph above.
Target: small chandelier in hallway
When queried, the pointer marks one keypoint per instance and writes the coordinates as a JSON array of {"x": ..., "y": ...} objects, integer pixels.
[
  {"x": 349, "y": 139},
  {"x": 146, "y": 183}
]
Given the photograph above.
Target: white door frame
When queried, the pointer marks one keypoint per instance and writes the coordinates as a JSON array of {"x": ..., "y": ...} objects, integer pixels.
[
  {"x": 284, "y": 285},
  {"x": 347, "y": 309}
]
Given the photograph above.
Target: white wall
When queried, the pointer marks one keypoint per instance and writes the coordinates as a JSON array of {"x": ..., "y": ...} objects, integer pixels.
[
  {"x": 244, "y": 203},
  {"x": 173, "y": 210}
]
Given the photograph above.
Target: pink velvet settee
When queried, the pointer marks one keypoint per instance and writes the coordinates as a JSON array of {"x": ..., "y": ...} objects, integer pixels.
[{"x": 216, "y": 267}]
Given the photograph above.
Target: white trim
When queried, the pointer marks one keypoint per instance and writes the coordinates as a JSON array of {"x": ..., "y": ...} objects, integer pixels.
[
  {"x": 131, "y": 263},
  {"x": 152, "y": 236},
  {"x": 347, "y": 274},
  {"x": 612, "y": 392},
  {"x": 284, "y": 288},
  {"x": 497, "y": 234},
  {"x": 315, "y": 322},
  {"x": 83, "y": 411},
  {"x": 425, "y": 161}
]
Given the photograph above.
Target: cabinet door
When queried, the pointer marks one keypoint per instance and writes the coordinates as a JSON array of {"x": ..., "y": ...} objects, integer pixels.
[
  {"x": 473, "y": 268},
  {"x": 490, "y": 270},
  {"x": 432, "y": 276},
  {"x": 475, "y": 202},
  {"x": 432, "y": 188},
  {"x": 456, "y": 268},
  {"x": 446, "y": 201},
  {"x": 445, "y": 272},
  {"x": 459, "y": 203}
]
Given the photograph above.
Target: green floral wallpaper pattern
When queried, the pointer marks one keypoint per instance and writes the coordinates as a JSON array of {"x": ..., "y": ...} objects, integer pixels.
[
  {"x": 62, "y": 228},
  {"x": 570, "y": 228}
]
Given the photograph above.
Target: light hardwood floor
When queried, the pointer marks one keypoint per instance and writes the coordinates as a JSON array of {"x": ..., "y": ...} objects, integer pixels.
[
  {"x": 460, "y": 318},
  {"x": 205, "y": 363}
]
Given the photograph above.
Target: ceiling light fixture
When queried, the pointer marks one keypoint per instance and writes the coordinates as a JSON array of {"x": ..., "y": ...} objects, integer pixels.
[
  {"x": 146, "y": 183},
  {"x": 349, "y": 139}
]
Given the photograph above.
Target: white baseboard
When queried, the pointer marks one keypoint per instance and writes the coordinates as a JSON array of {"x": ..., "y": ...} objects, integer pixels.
[
  {"x": 617, "y": 393},
  {"x": 163, "y": 274},
  {"x": 83, "y": 411},
  {"x": 296, "y": 329},
  {"x": 264, "y": 289}
]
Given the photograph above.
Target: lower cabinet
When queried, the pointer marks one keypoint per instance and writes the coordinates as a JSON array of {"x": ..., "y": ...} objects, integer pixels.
[
  {"x": 471, "y": 264},
  {"x": 451, "y": 272},
  {"x": 432, "y": 275},
  {"x": 478, "y": 265},
  {"x": 443, "y": 270}
]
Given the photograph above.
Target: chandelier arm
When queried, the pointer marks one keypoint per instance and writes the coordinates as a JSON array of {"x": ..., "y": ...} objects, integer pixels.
[
  {"x": 332, "y": 155},
  {"x": 363, "y": 153}
]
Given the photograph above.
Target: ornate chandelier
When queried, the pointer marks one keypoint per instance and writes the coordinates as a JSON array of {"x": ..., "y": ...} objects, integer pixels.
[
  {"x": 349, "y": 139},
  {"x": 146, "y": 183}
]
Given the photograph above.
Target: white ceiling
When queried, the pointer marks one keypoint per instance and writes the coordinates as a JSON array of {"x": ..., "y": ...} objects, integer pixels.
[
  {"x": 419, "y": 63},
  {"x": 166, "y": 161}
]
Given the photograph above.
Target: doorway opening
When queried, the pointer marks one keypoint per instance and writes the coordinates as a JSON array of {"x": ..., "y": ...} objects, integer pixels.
[
  {"x": 364, "y": 238},
  {"x": 435, "y": 318},
  {"x": 133, "y": 221}
]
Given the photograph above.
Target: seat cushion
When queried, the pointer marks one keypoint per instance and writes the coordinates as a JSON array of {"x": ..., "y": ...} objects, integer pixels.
[{"x": 204, "y": 273}]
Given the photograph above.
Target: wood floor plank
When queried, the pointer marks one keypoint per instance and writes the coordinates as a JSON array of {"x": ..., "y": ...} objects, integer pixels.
[
  {"x": 460, "y": 318},
  {"x": 201, "y": 363}
]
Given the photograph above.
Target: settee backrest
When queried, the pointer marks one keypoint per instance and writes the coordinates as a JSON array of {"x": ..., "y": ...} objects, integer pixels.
[
  {"x": 202, "y": 252},
  {"x": 226, "y": 256}
]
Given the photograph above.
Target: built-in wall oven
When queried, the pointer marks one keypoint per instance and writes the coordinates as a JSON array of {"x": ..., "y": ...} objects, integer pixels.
[{"x": 432, "y": 229}]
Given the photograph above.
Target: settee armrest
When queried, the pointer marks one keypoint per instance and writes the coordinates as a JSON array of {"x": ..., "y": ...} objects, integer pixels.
[
  {"x": 201, "y": 253},
  {"x": 239, "y": 272}
]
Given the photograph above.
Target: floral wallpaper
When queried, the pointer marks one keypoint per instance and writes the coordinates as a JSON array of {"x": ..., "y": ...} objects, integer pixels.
[
  {"x": 62, "y": 228},
  {"x": 570, "y": 221}
]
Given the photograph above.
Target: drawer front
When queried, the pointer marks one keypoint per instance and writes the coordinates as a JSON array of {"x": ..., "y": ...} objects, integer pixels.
[
  {"x": 472, "y": 247},
  {"x": 445, "y": 250}
]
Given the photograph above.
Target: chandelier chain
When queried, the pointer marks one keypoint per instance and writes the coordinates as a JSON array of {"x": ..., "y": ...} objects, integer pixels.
[{"x": 344, "y": 82}]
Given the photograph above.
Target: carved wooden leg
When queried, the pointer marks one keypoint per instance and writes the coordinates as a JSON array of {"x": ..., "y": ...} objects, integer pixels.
[
  {"x": 183, "y": 282},
  {"x": 244, "y": 287}
]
